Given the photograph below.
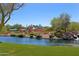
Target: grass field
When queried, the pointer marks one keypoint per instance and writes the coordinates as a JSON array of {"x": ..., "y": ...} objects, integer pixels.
[{"x": 31, "y": 50}]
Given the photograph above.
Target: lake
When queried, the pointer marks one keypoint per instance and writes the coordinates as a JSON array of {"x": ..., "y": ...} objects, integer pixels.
[{"x": 33, "y": 41}]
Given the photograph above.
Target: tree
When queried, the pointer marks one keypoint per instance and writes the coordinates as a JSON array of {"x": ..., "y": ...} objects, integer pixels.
[
  {"x": 6, "y": 10},
  {"x": 60, "y": 24},
  {"x": 56, "y": 26},
  {"x": 17, "y": 26},
  {"x": 65, "y": 21},
  {"x": 56, "y": 23},
  {"x": 73, "y": 26},
  {"x": 8, "y": 27}
]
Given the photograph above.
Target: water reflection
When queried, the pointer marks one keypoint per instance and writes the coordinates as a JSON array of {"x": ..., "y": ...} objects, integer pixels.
[{"x": 44, "y": 42}]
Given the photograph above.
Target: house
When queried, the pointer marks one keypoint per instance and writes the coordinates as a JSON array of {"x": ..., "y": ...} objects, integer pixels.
[
  {"x": 33, "y": 29},
  {"x": 22, "y": 29},
  {"x": 12, "y": 30},
  {"x": 40, "y": 30}
]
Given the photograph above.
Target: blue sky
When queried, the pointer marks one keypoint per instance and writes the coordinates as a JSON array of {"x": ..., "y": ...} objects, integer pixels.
[{"x": 42, "y": 13}]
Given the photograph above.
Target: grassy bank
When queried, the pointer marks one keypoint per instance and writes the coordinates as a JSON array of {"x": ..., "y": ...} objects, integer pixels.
[{"x": 31, "y": 50}]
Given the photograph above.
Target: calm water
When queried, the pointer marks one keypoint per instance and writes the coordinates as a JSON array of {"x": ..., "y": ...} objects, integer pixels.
[{"x": 44, "y": 42}]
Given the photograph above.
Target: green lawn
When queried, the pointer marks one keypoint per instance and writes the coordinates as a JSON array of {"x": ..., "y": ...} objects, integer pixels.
[{"x": 31, "y": 50}]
